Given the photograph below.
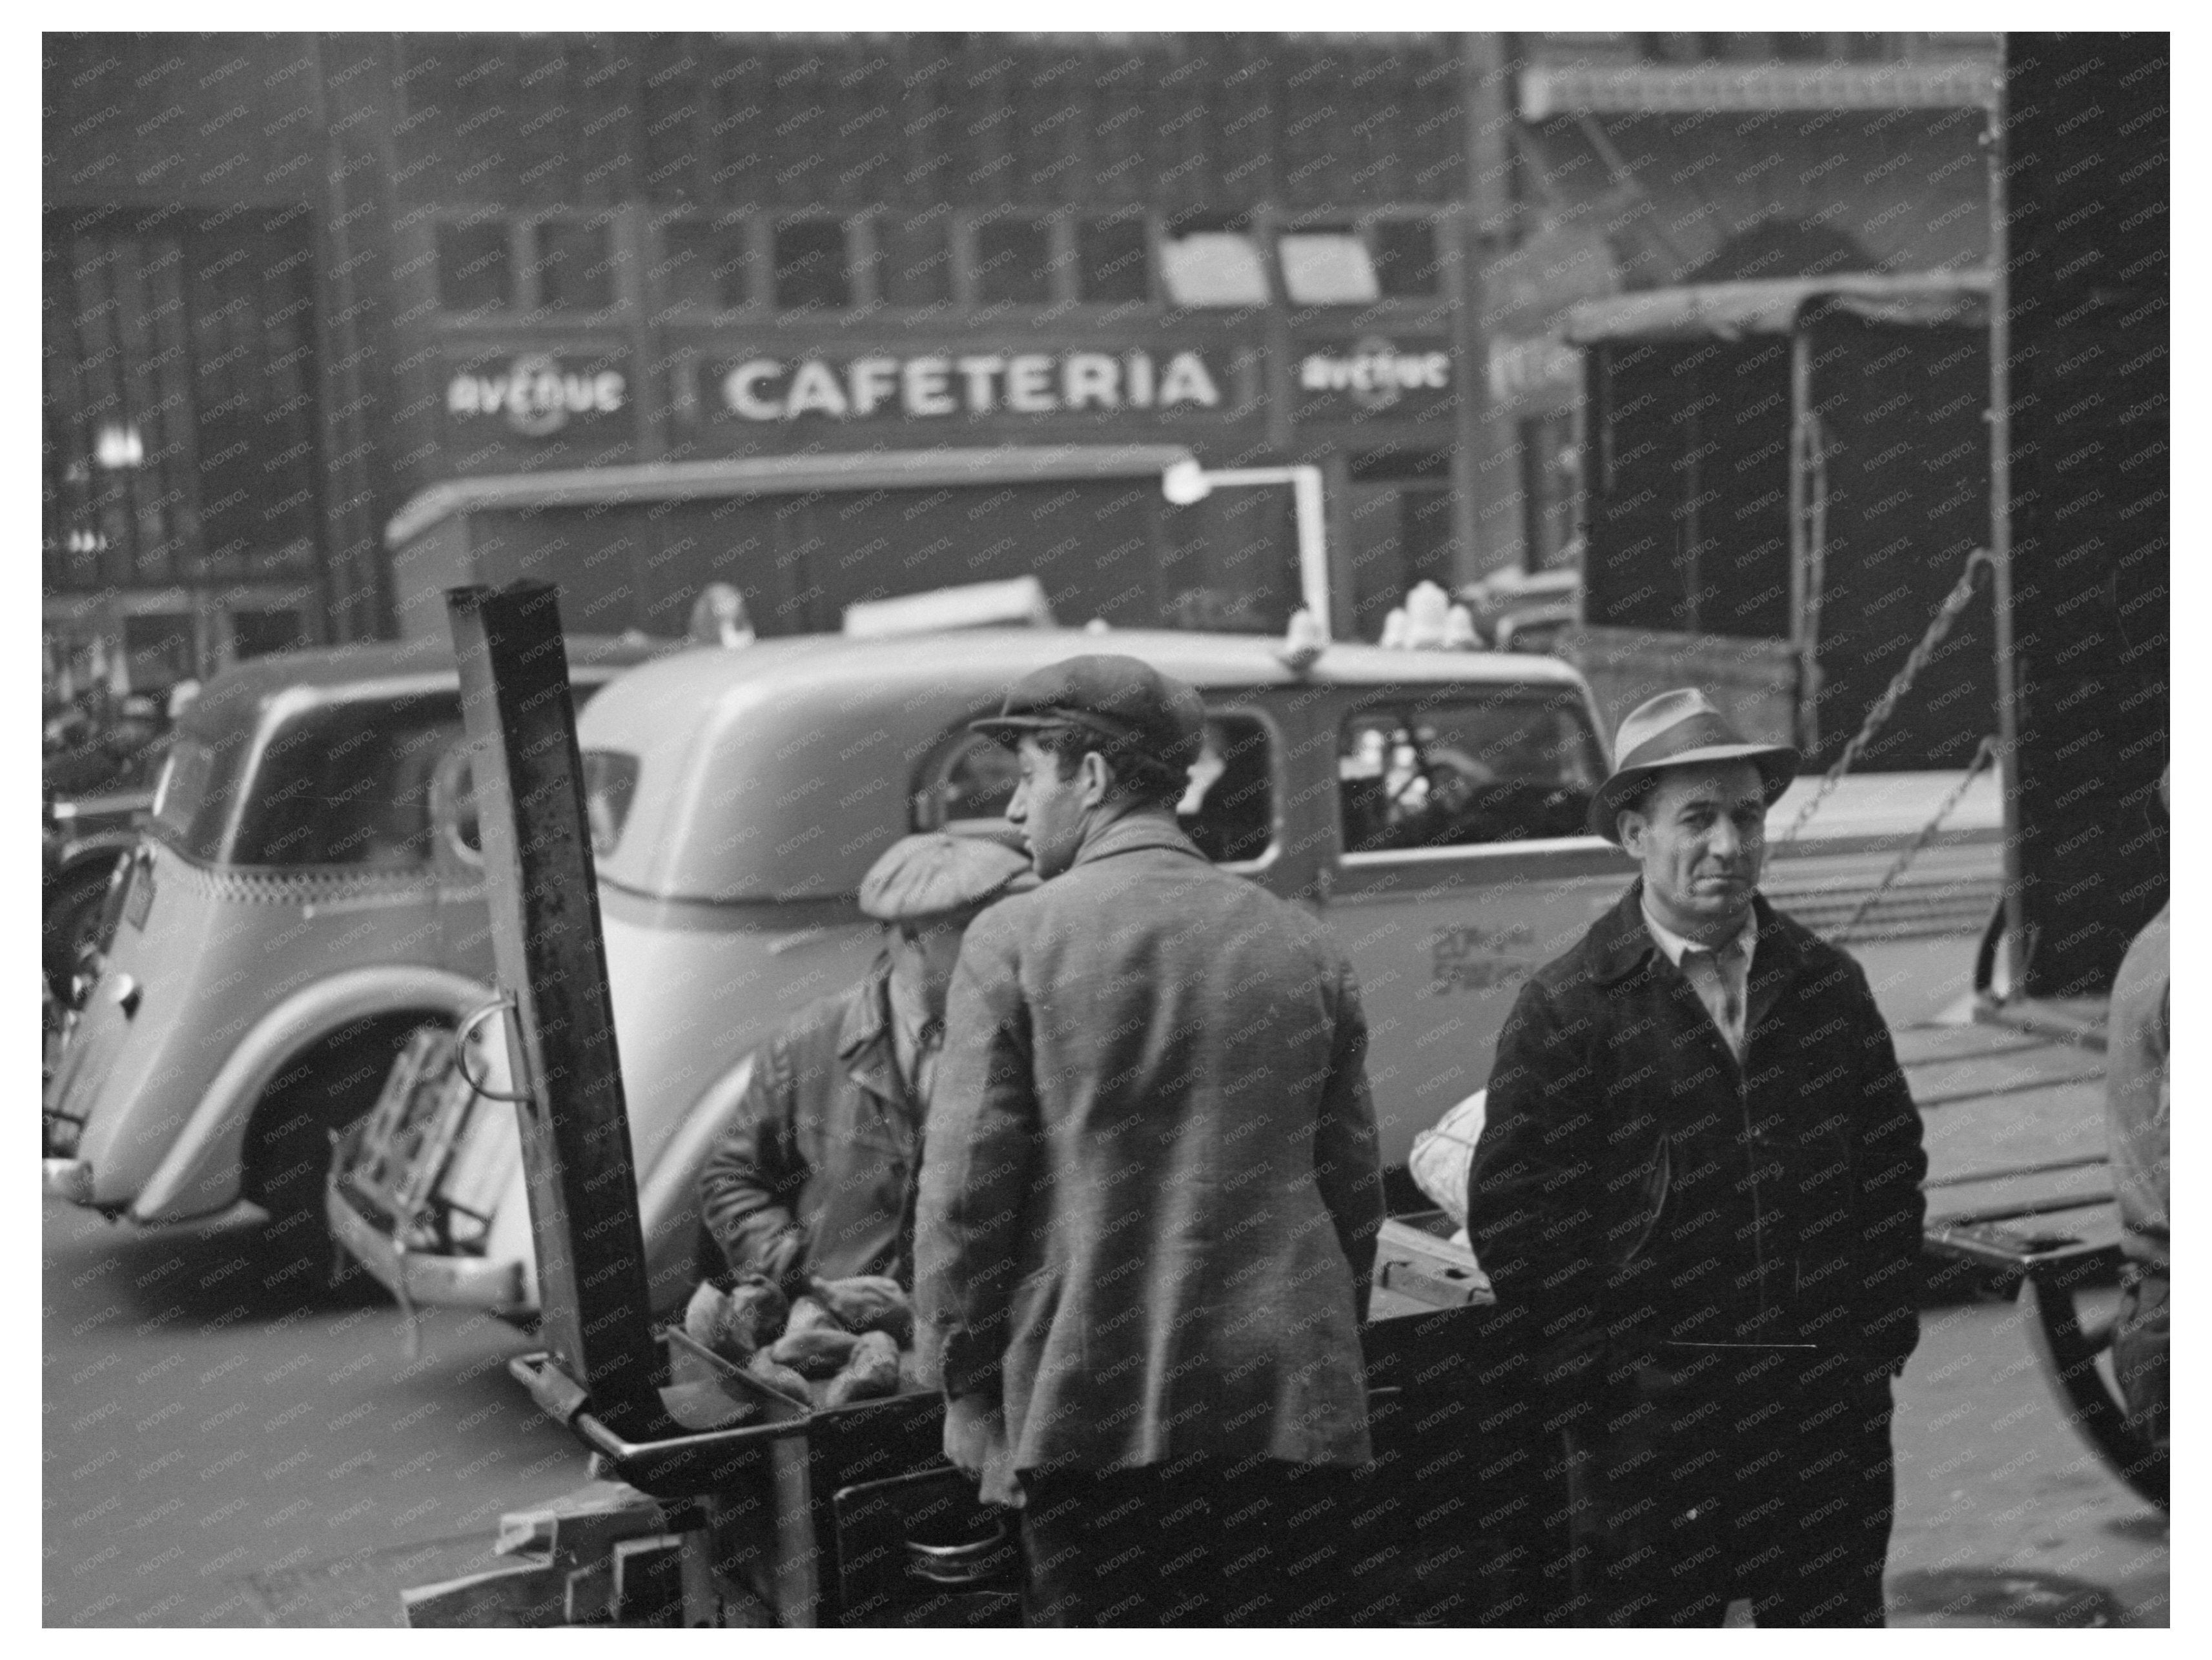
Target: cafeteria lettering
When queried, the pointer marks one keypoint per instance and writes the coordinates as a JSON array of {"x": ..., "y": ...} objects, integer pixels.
[{"x": 1022, "y": 383}]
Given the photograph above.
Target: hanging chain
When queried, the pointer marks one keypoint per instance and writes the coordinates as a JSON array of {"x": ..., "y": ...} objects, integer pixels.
[
  {"x": 1961, "y": 595},
  {"x": 1984, "y": 754}
]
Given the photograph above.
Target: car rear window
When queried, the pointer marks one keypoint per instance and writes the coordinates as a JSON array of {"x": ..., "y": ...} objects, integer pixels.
[
  {"x": 1421, "y": 771},
  {"x": 347, "y": 784}
]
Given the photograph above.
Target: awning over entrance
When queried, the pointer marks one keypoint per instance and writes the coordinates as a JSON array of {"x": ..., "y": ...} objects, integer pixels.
[
  {"x": 1551, "y": 90},
  {"x": 1730, "y": 311},
  {"x": 781, "y": 475}
]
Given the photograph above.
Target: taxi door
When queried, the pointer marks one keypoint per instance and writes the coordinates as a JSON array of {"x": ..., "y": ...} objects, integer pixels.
[{"x": 1460, "y": 865}]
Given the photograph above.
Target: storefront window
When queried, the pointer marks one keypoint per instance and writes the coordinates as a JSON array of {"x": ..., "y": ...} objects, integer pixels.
[
  {"x": 473, "y": 266},
  {"x": 813, "y": 271},
  {"x": 1113, "y": 264},
  {"x": 913, "y": 258},
  {"x": 1013, "y": 262},
  {"x": 703, "y": 265},
  {"x": 574, "y": 271},
  {"x": 1213, "y": 268},
  {"x": 1405, "y": 261},
  {"x": 1551, "y": 483},
  {"x": 1327, "y": 268}
]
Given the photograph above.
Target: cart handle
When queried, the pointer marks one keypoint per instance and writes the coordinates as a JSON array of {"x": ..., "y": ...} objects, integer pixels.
[{"x": 502, "y": 1002}]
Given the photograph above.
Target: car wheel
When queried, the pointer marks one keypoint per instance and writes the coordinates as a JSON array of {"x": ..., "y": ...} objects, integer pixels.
[{"x": 288, "y": 1144}]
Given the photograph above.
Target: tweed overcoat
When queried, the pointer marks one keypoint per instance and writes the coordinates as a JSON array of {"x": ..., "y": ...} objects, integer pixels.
[
  {"x": 1150, "y": 1194},
  {"x": 1635, "y": 1186}
]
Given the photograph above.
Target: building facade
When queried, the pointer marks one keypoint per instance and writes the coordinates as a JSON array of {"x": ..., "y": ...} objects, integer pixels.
[{"x": 290, "y": 282}]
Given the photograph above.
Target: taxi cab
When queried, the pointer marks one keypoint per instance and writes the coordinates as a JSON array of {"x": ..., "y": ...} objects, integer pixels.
[
  {"x": 1427, "y": 804},
  {"x": 305, "y": 895}
]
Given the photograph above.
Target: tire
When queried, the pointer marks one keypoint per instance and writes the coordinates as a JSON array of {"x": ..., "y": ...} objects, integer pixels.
[{"x": 288, "y": 1142}]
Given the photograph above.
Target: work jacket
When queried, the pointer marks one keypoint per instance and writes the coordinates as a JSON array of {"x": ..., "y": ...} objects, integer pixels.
[
  {"x": 1637, "y": 1187},
  {"x": 1149, "y": 1205},
  {"x": 812, "y": 1175}
]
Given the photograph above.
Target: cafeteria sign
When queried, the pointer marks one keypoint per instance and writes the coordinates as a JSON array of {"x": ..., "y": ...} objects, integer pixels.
[
  {"x": 537, "y": 393},
  {"x": 937, "y": 384}
]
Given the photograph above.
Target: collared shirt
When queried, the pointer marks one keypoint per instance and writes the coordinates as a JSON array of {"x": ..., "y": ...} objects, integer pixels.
[{"x": 1720, "y": 975}]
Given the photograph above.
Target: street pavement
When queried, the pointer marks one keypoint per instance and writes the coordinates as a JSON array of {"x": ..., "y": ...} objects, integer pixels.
[
  {"x": 221, "y": 1450},
  {"x": 213, "y": 1460},
  {"x": 228, "y": 1444}
]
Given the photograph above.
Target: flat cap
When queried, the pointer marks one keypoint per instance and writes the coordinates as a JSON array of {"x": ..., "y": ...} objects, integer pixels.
[
  {"x": 1139, "y": 713},
  {"x": 934, "y": 874}
]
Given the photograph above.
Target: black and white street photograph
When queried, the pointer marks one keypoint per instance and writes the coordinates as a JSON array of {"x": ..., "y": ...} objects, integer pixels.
[{"x": 1207, "y": 826}]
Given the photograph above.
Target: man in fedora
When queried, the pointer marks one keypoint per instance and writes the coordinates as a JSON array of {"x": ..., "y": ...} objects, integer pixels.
[
  {"x": 1698, "y": 1197},
  {"x": 1151, "y": 1198}
]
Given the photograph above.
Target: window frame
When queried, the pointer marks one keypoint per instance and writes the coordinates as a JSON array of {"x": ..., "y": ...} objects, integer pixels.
[
  {"x": 1362, "y": 223},
  {"x": 1410, "y": 694},
  {"x": 752, "y": 231},
  {"x": 926, "y": 782}
]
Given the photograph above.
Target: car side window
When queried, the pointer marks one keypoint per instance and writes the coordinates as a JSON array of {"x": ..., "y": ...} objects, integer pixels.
[
  {"x": 1228, "y": 807},
  {"x": 1424, "y": 771}
]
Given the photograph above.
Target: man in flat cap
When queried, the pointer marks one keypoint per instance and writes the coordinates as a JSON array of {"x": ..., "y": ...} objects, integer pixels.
[
  {"x": 1698, "y": 1197},
  {"x": 811, "y": 1184},
  {"x": 1149, "y": 1207}
]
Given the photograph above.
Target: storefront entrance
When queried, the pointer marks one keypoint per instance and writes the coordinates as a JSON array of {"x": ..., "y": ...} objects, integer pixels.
[{"x": 182, "y": 428}]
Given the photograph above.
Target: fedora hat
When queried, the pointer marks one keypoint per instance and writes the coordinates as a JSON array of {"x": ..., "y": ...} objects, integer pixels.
[{"x": 1680, "y": 729}]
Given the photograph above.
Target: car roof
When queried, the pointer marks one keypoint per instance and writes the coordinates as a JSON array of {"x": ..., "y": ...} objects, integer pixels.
[
  {"x": 779, "y": 769},
  {"x": 237, "y": 697}
]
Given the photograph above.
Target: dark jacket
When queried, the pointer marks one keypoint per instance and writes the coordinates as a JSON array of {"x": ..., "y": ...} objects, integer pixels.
[
  {"x": 1149, "y": 1206},
  {"x": 812, "y": 1174},
  {"x": 1634, "y": 1186}
]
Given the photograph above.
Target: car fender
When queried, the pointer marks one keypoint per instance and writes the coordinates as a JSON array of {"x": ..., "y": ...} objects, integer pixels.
[
  {"x": 100, "y": 847},
  {"x": 669, "y": 1193},
  {"x": 201, "y": 1171}
]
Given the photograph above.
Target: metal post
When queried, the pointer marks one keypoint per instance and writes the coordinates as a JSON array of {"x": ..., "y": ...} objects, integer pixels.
[
  {"x": 1801, "y": 619},
  {"x": 2015, "y": 907},
  {"x": 592, "y": 1291}
]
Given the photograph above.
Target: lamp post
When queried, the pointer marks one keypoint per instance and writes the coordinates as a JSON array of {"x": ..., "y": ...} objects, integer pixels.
[{"x": 1186, "y": 483}]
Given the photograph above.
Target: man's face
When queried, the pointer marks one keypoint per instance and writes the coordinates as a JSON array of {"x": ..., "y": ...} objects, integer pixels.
[
  {"x": 1701, "y": 838},
  {"x": 1050, "y": 811}
]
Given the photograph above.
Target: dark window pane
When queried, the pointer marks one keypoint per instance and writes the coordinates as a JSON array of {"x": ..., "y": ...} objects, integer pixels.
[
  {"x": 1419, "y": 773},
  {"x": 575, "y": 270},
  {"x": 347, "y": 785},
  {"x": 473, "y": 266},
  {"x": 1113, "y": 266},
  {"x": 914, "y": 260},
  {"x": 1011, "y": 257},
  {"x": 256, "y": 633},
  {"x": 1228, "y": 808},
  {"x": 810, "y": 270},
  {"x": 1405, "y": 258},
  {"x": 703, "y": 265}
]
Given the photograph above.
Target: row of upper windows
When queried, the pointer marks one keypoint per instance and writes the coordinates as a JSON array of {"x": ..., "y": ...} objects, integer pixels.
[{"x": 497, "y": 265}]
